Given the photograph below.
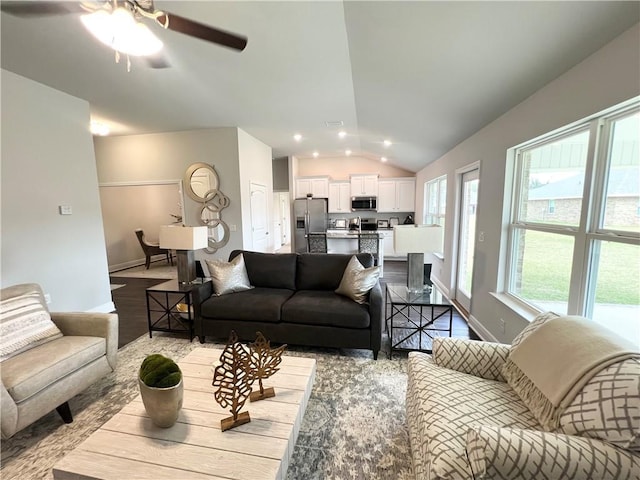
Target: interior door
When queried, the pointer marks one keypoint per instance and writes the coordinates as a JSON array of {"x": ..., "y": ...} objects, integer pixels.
[
  {"x": 259, "y": 217},
  {"x": 277, "y": 222},
  {"x": 466, "y": 236}
]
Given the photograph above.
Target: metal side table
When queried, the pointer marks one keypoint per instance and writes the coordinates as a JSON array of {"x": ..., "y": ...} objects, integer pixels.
[
  {"x": 414, "y": 319},
  {"x": 163, "y": 308}
]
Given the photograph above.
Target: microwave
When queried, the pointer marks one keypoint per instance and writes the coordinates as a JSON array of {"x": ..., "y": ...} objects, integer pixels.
[{"x": 364, "y": 203}]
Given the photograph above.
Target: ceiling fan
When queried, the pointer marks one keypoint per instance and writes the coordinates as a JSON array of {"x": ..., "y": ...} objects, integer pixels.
[{"x": 137, "y": 9}]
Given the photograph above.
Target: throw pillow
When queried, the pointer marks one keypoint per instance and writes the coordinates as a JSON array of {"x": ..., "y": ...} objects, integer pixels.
[
  {"x": 357, "y": 281},
  {"x": 24, "y": 323},
  {"x": 228, "y": 277}
]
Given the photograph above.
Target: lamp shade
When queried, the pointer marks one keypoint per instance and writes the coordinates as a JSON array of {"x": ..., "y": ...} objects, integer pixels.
[
  {"x": 176, "y": 237},
  {"x": 417, "y": 238}
]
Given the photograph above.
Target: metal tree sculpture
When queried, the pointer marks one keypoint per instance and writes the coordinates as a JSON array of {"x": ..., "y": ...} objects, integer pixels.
[
  {"x": 264, "y": 363},
  {"x": 233, "y": 379}
]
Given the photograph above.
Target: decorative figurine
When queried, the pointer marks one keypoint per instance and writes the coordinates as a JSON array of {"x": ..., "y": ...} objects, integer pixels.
[
  {"x": 233, "y": 379},
  {"x": 264, "y": 362}
]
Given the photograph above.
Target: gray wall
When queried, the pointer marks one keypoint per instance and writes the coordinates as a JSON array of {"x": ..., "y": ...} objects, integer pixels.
[
  {"x": 47, "y": 161},
  {"x": 166, "y": 156},
  {"x": 281, "y": 174},
  {"x": 606, "y": 78}
]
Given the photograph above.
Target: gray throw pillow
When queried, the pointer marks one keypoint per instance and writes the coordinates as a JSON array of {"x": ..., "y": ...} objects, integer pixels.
[
  {"x": 357, "y": 281},
  {"x": 228, "y": 277}
]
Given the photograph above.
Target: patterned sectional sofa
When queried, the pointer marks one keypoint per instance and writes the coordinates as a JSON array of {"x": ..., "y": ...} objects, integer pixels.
[{"x": 466, "y": 420}]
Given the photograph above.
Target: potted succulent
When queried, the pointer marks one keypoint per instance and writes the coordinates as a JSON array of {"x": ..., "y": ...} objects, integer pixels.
[{"x": 161, "y": 388}]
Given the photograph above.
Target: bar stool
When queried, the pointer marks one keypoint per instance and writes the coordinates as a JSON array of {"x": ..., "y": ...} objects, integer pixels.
[
  {"x": 369, "y": 243},
  {"x": 317, "y": 242}
]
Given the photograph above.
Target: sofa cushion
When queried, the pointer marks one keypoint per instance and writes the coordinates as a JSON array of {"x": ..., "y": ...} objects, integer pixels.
[
  {"x": 258, "y": 304},
  {"x": 443, "y": 404},
  {"x": 318, "y": 271},
  {"x": 357, "y": 281},
  {"x": 321, "y": 307},
  {"x": 24, "y": 323},
  {"x": 228, "y": 277},
  {"x": 269, "y": 270},
  {"x": 35, "y": 369}
]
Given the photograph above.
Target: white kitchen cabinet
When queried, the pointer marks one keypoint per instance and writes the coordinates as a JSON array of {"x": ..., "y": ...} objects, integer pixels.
[
  {"x": 339, "y": 197},
  {"x": 364, "y": 185},
  {"x": 396, "y": 195},
  {"x": 317, "y": 186}
]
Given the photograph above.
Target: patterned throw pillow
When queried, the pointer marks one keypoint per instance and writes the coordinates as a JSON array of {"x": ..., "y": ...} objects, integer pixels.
[
  {"x": 357, "y": 281},
  {"x": 228, "y": 277},
  {"x": 24, "y": 323}
]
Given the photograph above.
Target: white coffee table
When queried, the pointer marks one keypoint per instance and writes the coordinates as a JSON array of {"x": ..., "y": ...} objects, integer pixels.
[{"x": 130, "y": 446}]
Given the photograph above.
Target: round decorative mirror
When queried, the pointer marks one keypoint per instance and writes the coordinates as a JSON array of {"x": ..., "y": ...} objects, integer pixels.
[
  {"x": 199, "y": 180},
  {"x": 201, "y": 184}
]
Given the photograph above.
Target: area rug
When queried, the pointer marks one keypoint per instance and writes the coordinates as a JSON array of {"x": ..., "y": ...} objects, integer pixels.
[
  {"x": 353, "y": 428},
  {"x": 157, "y": 270}
]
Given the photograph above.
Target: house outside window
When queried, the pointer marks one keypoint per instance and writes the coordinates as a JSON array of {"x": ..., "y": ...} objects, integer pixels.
[
  {"x": 435, "y": 197},
  {"x": 574, "y": 237}
]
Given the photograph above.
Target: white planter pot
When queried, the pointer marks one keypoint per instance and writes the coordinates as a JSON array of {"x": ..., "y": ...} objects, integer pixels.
[{"x": 162, "y": 404}]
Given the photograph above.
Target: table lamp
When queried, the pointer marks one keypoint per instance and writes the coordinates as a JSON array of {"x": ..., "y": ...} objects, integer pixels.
[
  {"x": 415, "y": 241},
  {"x": 184, "y": 240}
]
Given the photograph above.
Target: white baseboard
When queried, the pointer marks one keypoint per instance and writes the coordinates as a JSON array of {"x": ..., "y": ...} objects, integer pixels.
[
  {"x": 104, "y": 308},
  {"x": 134, "y": 263},
  {"x": 480, "y": 329},
  {"x": 441, "y": 287}
]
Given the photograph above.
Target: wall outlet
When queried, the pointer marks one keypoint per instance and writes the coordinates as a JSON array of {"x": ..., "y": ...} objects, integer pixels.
[
  {"x": 502, "y": 326},
  {"x": 47, "y": 298},
  {"x": 65, "y": 209},
  {"x": 481, "y": 237},
  {"x": 233, "y": 227}
]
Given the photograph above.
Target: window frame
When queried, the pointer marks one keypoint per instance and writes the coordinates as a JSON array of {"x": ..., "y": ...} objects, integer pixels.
[
  {"x": 440, "y": 218},
  {"x": 589, "y": 232}
]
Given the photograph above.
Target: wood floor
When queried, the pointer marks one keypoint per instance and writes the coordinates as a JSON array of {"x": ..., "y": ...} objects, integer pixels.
[{"x": 131, "y": 306}]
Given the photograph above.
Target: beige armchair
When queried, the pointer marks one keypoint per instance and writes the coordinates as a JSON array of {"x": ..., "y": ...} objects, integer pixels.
[{"x": 42, "y": 378}]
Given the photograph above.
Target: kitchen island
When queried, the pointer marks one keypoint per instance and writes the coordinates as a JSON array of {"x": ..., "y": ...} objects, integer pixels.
[{"x": 346, "y": 241}]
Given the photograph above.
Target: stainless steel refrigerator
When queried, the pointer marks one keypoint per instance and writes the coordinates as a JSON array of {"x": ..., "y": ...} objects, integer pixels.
[{"x": 310, "y": 217}]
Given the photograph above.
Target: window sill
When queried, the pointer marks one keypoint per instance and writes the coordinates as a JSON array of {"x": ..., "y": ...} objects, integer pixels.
[{"x": 527, "y": 312}]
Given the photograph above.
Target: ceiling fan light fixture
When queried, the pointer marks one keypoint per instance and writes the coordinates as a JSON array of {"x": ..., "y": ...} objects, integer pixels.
[{"x": 120, "y": 31}]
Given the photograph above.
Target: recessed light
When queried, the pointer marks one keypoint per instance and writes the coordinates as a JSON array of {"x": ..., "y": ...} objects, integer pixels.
[
  {"x": 387, "y": 143},
  {"x": 315, "y": 154},
  {"x": 383, "y": 159},
  {"x": 99, "y": 128},
  {"x": 342, "y": 134},
  {"x": 347, "y": 152},
  {"x": 297, "y": 137}
]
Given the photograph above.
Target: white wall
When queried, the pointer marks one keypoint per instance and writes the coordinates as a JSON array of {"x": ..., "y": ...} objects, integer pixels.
[
  {"x": 606, "y": 78},
  {"x": 47, "y": 161},
  {"x": 256, "y": 165},
  {"x": 339, "y": 168}
]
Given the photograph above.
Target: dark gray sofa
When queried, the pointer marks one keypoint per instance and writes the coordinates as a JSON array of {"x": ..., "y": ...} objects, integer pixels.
[{"x": 293, "y": 302}]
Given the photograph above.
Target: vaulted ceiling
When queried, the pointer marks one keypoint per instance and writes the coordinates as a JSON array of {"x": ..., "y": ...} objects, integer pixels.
[{"x": 425, "y": 75}]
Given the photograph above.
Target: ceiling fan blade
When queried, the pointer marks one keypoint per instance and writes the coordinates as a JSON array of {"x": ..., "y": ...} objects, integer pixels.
[
  {"x": 41, "y": 9},
  {"x": 204, "y": 32}
]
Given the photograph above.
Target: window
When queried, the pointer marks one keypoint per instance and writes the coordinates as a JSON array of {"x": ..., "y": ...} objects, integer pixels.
[
  {"x": 435, "y": 195},
  {"x": 574, "y": 235}
]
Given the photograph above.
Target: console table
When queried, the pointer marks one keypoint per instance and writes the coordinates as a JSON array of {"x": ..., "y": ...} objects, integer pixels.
[
  {"x": 413, "y": 319},
  {"x": 162, "y": 307}
]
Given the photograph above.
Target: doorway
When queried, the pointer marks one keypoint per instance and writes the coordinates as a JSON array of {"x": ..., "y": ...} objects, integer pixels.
[
  {"x": 468, "y": 202},
  {"x": 259, "y": 217}
]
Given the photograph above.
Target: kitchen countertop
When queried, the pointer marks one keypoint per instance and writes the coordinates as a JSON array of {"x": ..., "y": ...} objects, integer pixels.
[{"x": 331, "y": 233}]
